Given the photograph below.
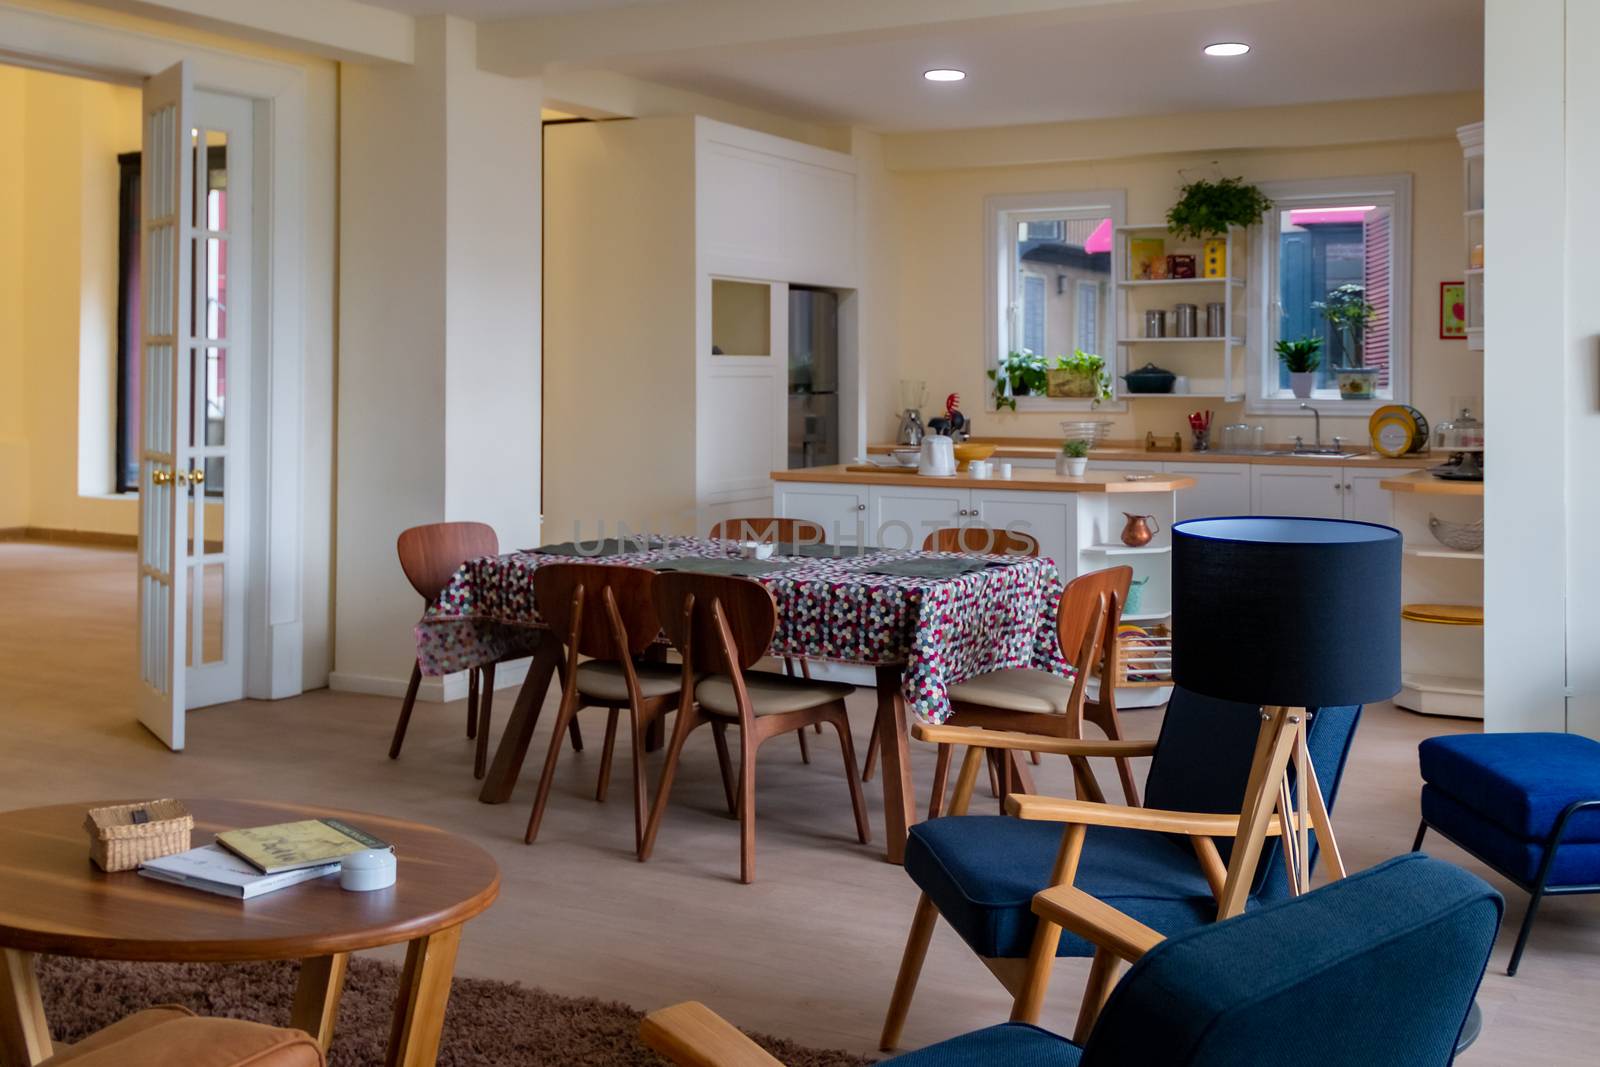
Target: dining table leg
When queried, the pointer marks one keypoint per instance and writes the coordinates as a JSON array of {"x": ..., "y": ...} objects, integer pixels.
[
  {"x": 316, "y": 996},
  {"x": 24, "y": 1033},
  {"x": 899, "y": 797},
  {"x": 501, "y": 780},
  {"x": 424, "y": 992}
]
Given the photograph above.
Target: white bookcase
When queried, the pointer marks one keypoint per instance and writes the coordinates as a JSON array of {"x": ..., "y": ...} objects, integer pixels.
[{"x": 1471, "y": 138}]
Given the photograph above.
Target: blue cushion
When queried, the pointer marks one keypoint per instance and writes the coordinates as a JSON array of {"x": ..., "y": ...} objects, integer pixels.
[
  {"x": 1520, "y": 781},
  {"x": 1576, "y": 863},
  {"x": 1378, "y": 968},
  {"x": 983, "y": 870},
  {"x": 1011, "y": 1044}
]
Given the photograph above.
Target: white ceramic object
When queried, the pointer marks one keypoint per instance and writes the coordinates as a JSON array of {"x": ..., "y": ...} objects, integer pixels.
[
  {"x": 978, "y": 468},
  {"x": 756, "y": 549},
  {"x": 1071, "y": 465},
  {"x": 369, "y": 869},
  {"x": 938, "y": 456},
  {"x": 1005, "y": 470}
]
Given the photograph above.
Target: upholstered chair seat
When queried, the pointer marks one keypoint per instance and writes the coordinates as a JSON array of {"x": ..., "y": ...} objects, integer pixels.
[
  {"x": 1016, "y": 689},
  {"x": 770, "y": 694},
  {"x": 603, "y": 680}
]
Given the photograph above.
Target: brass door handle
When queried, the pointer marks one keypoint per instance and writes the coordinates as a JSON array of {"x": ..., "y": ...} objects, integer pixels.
[
  {"x": 161, "y": 477},
  {"x": 182, "y": 477},
  {"x": 197, "y": 476}
]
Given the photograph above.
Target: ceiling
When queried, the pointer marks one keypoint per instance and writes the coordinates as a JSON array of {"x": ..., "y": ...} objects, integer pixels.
[
  {"x": 500, "y": 9},
  {"x": 1302, "y": 51}
]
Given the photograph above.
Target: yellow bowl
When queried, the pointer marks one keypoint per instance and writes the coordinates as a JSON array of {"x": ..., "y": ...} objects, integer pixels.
[{"x": 967, "y": 451}]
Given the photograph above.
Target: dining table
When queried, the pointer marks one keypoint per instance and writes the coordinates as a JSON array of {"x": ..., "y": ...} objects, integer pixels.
[{"x": 922, "y": 621}]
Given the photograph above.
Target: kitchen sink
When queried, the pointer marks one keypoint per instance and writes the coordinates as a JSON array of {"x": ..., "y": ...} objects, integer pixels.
[{"x": 1321, "y": 453}]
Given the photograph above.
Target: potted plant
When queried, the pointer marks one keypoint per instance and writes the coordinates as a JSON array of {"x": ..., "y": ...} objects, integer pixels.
[
  {"x": 1348, "y": 312},
  {"x": 1019, "y": 374},
  {"x": 1208, "y": 208},
  {"x": 1081, "y": 376},
  {"x": 1074, "y": 458},
  {"x": 1301, "y": 360}
]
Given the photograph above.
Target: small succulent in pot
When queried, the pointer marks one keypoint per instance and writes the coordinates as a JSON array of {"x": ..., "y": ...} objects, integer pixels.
[
  {"x": 1301, "y": 359},
  {"x": 1074, "y": 457}
]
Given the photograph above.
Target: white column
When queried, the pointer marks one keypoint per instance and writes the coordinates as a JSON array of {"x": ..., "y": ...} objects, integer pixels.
[
  {"x": 1542, "y": 394},
  {"x": 439, "y": 328}
]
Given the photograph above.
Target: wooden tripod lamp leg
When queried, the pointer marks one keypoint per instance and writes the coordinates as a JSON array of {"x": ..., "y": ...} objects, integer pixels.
[{"x": 1273, "y": 752}]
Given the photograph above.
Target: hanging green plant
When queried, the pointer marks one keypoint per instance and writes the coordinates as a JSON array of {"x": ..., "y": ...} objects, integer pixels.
[{"x": 1207, "y": 208}]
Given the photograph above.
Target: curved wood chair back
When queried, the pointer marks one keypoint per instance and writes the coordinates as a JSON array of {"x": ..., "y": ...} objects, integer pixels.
[
  {"x": 603, "y": 611},
  {"x": 430, "y": 554},
  {"x": 980, "y": 540},
  {"x": 721, "y": 624},
  {"x": 783, "y": 531},
  {"x": 1081, "y": 625}
]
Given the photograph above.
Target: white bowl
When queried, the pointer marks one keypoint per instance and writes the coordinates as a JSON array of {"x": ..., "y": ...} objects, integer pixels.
[
  {"x": 756, "y": 549},
  {"x": 906, "y": 457}
]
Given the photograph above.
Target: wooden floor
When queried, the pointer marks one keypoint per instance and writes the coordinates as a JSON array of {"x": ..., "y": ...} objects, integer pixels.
[{"x": 808, "y": 951}]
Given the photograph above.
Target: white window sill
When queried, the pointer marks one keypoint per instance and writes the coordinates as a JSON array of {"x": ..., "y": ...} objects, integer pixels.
[
  {"x": 1327, "y": 402},
  {"x": 1045, "y": 404}
]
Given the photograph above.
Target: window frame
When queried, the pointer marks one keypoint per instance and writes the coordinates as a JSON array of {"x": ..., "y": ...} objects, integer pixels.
[
  {"x": 1001, "y": 214},
  {"x": 1392, "y": 191}
]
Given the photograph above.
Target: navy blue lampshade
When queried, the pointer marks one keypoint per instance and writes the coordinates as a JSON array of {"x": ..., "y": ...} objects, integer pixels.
[{"x": 1293, "y": 612}]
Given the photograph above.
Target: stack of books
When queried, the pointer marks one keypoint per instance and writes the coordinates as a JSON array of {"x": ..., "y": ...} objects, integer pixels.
[{"x": 263, "y": 859}]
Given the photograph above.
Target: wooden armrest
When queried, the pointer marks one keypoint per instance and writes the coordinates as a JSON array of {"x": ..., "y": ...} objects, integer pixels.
[
  {"x": 1095, "y": 921},
  {"x": 978, "y": 737},
  {"x": 692, "y": 1035},
  {"x": 1090, "y": 813}
]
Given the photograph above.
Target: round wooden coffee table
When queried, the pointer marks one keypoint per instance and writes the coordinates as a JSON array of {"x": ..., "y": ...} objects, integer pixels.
[{"x": 53, "y": 900}]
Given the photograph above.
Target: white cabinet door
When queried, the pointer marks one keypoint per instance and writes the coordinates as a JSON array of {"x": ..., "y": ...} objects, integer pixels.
[
  {"x": 1123, "y": 466},
  {"x": 904, "y": 517},
  {"x": 1367, "y": 501},
  {"x": 1220, "y": 489},
  {"x": 1050, "y": 521},
  {"x": 1309, "y": 492},
  {"x": 840, "y": 509}
]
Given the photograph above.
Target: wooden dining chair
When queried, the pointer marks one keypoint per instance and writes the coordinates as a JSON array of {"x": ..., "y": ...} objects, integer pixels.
[
  {"x": 605, "y": 617},
  {"x": 769, "y": 529},
  {"x": 1028, "y": 701},
  {"x": 971, "y": 540},
  {"x": 722, "y": 625}
]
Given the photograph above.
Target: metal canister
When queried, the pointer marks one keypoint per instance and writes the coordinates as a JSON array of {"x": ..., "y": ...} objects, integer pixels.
[
  {"x": 1185, "y": 320},
  {"x": 1216, "y": 320},
  {"x": 1155, "y": 323}
]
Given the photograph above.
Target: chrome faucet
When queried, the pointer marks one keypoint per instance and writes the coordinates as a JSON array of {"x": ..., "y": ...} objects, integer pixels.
[{"x": 1318, "y": 415}]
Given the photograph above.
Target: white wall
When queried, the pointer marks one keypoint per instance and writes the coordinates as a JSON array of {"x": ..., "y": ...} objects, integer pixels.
[
  {"x": 439, "y": 335},
  {"x": 1541, "y": 325}
]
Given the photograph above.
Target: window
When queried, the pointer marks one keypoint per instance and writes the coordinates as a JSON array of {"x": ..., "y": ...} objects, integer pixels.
[
  {"x": 1050, "y": 291},
  {"x": 1335, "y": 266}
]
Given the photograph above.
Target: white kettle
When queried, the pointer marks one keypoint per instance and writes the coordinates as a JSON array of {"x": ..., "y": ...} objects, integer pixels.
[{"x": 938, "y": 456}]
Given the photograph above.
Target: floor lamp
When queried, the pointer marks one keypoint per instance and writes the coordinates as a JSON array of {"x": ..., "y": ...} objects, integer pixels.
[{"x": 1292, "y": 615}]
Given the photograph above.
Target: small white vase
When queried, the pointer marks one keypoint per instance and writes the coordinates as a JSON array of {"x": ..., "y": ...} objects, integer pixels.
[
  {"x": 1071, "y": 465},
  {"x": 1302, "y": 383}
]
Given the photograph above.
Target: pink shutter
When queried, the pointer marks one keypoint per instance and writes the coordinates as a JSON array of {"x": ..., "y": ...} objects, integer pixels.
[{"x": 1376, "y": 235}]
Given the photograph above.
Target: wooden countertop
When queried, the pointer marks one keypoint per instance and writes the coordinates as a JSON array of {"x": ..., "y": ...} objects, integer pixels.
[
  {"x": 1423, "y": 482},
  {"x": 1026, "y": 480},
  {"x": 1125, "y": 451}
]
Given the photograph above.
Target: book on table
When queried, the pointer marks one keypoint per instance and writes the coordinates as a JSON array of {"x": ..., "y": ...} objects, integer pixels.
[
  {"x": 289, "y": 846},
  {"x": 214, "y": 869}
]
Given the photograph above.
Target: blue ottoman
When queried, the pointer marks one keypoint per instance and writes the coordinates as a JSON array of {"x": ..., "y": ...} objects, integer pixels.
[{"x": 1528, "y": 805}]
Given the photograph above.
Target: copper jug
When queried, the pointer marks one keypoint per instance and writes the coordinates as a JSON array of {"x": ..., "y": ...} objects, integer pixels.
[{"x": 1140, "y": 529}]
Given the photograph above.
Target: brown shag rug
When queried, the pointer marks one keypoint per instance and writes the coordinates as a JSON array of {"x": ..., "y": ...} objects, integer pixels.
[{"x": 502, "y": 1024}]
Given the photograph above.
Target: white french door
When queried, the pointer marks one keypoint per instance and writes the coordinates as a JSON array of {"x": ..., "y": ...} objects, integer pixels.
[{"x": 195, "y": 280}]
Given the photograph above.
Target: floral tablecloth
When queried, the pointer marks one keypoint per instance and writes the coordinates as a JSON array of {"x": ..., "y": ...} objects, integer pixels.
[{"x": 943, "y": 630}]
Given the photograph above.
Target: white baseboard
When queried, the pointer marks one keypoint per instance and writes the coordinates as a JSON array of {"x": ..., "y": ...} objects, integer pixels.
[{"x": 507, "y": 675}]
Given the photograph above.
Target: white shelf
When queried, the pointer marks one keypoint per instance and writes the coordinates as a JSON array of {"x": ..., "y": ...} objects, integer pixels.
[
  {"x": 1147, "y": 616},
  {"x": 1230, "y": 397},
  {"x": 1440, "y": 552},
  {"x": 1131, "y": 226},
  {"x": 1473, "y": 272},
  {"x": 1473, "y": 213},
  {"x": 1124, "y": 550},
  {"x": 1179, "y": 340},
  {"x": 1133, "y": 283}
]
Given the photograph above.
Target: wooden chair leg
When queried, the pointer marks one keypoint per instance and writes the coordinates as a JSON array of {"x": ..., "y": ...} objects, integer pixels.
[
  {"x": 688, "y": 719},
  {"x": 747, "y": 805},
  {"x": 1102, "y": 978},
  {"x": 858, "y": 801},
  {"x": 1034, "y": 756},
  {"x": 1111, "y": 723},
  {"x": 805, "y": 748},
  {"x": 872, "y": 757},
  {"x": 604, "y": 781},
  {"x": 640, "y": 786},
  {"x": 568, "y": 711},
  {"x": 941, "y": 781},
  {"x": 480, "y": 759},
  {"x": 577, "y": 735},
  {"x": 472, "y": 703},
  {"x": 406, "y": 705},
  {"x": 994, "y": 777},
  {"x": 905, "y": 983},
  {"x": 719, "y": 734}
]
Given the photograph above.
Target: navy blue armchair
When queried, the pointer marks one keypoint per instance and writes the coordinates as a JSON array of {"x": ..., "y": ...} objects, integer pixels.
[
  {"x": 1375, "y": 970},
  {"x": 1162, "y": 865}
]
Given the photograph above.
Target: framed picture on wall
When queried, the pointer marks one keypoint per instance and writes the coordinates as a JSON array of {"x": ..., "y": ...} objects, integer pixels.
[{"x": 1452, "y": 311}]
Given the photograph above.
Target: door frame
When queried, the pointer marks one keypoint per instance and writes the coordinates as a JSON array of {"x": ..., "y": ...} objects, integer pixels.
[{"x": 278, "y": 91}]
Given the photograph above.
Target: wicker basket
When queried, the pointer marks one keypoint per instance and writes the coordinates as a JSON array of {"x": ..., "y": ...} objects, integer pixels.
[
  {"x": 117, "y": 843},
  {"x": 1461, "y": 536}
]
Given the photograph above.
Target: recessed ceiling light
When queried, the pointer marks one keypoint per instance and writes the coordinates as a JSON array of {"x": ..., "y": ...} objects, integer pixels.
[
  {"x": 944, "y": 74},
  {"x": 1227, "y": 48}
]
